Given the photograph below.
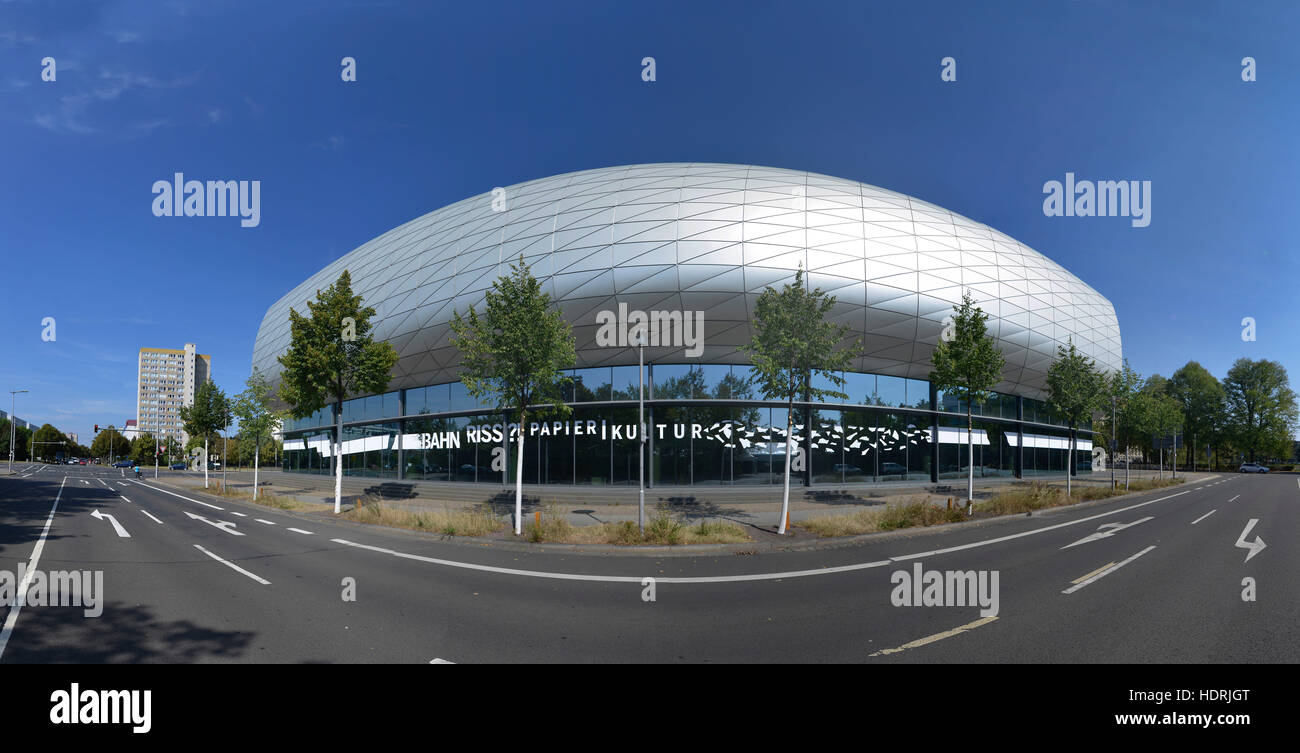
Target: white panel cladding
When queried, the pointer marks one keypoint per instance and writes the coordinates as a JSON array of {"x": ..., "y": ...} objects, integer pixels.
[{"x": 711, "y": 236}]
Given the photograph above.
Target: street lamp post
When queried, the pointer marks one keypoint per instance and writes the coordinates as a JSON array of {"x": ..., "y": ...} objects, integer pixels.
[
  {"x": 13, "y": 426},
  {"x": 1113, "y": 447}
]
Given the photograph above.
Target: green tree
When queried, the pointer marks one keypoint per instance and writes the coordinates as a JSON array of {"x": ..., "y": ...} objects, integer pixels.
[
  {"x": 142, "y": 449},
  {"x": 1261, "y": 407},
  {"x": 514, "y": 353},
  {"x": 1122, "y": 388},
  {"x": 256, "y": 418},
  {"x": 109, "y": 444},
  {"x": 333, "y": 354},
  {"x": 1201, "y": 398},
  {"x": 48, "y": 440},
  {"x": 967, "y": 363},
  {"x": 209, "y": 413},
  {"x": 1075, "y": 390},
  {"x": 1160, "y": 416},
  {"x": 793, "y": 344}
]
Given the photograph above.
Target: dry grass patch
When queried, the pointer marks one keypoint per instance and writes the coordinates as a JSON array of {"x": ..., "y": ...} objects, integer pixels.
[
  {"x": 1037, "y": 496},
  {"x": 468, "y": 522},
  {"x": 913, "y": 513},
  {"x": 662, "y": 530},
  {"x": 265, "y": 498}
]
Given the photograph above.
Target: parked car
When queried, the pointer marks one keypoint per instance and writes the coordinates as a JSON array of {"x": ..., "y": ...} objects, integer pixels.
[
  {"x": 847, "y": 470},
  {"x": 892, "y": 469},
  {"x": 1252, "y": 468},
  {"x": 177, "y": 466}
]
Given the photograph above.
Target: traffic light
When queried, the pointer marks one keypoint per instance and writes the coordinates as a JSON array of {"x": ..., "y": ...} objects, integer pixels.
[{"x": 96, "y": 428}]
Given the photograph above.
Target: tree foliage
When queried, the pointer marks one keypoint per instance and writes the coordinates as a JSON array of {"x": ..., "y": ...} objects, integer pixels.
[
  {"x": 1261, "y": 408},
  {"x": 332, "y": 352}
]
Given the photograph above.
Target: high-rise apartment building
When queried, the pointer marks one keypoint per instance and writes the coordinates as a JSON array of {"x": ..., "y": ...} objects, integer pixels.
[{"x": 167, "y": 380}]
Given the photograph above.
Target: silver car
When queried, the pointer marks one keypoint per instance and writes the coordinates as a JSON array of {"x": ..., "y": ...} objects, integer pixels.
[{"x": 1252, "y": 468}]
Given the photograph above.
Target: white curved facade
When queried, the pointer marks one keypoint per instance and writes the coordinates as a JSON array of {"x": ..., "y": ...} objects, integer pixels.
[{"x": 710, "y": 237}]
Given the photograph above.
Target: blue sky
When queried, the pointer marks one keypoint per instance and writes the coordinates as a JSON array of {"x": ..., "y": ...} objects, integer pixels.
[{"x": 454, "y": 99}]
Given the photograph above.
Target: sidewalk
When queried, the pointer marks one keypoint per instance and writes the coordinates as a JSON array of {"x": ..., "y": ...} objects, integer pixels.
[{"x": 587, "y": 505}]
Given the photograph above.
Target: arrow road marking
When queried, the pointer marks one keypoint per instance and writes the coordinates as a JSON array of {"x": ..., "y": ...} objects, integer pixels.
[
  {"x": 1255, "y": 546},
  {"x": 218, "y": 524},
  {"x": 121, "y": 532},
  {"x": 1110, "y": 530}
]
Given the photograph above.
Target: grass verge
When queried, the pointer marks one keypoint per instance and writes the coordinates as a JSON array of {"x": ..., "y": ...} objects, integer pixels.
[
  {"x": 917, "y": 512},
  {"x": 661, "y": 530},
  {"x": 469, "y": 522},
  {"x": 264, "y": 498},
  {"x": 1037, "y": 496}
]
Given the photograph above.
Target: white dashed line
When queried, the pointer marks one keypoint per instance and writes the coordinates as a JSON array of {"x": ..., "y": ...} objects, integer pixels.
[
  {"x": 259, "y": 520},
  {"x": 146, "y": 512},
  {"x": 240, "y": 514},
  {"x": 1206, "y": 515},
  {"x": 299, "y": 530},
  {"x": 1106, "y": 572},
  {"x": 233, "y": 566}
]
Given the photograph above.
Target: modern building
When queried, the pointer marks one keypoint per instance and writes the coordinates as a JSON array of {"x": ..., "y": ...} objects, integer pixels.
[
  {"x": 19, "y": 422},
  {"x": 167, "y": 380},
  {"x": 702, "y": 241}
]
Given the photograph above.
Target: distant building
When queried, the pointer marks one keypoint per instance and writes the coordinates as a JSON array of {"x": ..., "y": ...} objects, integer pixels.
[
  {"x": 167, "y": 380},
  {"x": 132, "y": 430},
  {"x": 72, "y": 437},
  {"x": 20, "y": 422}
]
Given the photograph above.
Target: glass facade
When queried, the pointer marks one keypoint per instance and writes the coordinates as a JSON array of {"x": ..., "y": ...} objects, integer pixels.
[{"x": 706, "y": 424}]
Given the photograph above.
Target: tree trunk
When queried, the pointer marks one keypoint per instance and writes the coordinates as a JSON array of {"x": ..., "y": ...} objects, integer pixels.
[
  {"x": 519, "y": 476},
  {"x": 338, "y": 461},
  {"x": 970, "y": 458},
  {"x": 785, "y": 484},
  {"x": 255, "y": 466},
  {"x": 1069, "y": 468}
]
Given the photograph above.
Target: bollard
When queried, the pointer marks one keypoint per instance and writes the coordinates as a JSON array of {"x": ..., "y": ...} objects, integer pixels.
[{"x": 537, "y": 519}]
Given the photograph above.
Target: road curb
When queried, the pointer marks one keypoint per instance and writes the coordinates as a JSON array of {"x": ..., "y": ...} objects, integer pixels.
[{"x": 685, "y": 550}]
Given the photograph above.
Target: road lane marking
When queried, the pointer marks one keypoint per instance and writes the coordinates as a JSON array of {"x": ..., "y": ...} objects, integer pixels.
[
  {"x": 1111, "y": 530},
  {"x": 299, "y": 530},
  {"x": 233, "y": 566},
  {"x": 1106, "y": 566},
  {"x": 240, "y": 514},
  {"x": 259, "y": 520},
  {"x": 117, "y": 527},
  {"x": 21, "y": 596},
  {"x": 187, "y": 499},
  {"x": 1206, "y": 515},
  {"x": 1106, "y": 572},
  {"x": 1000, "y": 539},
  {"x": 436, "y": 660},
  {"x": 615, "y": 578},
  {"x": 221, "y": 524},
  {"x": 1234, "y": 497},
  {"x": 936, "y": 637},
  {"x": 146, "y": 512}
]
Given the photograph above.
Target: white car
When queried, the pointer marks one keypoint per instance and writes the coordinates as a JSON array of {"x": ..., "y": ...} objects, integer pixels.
[{"x": 1252, "y": 468}]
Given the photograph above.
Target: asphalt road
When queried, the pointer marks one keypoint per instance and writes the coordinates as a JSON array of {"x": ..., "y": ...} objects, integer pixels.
[{"x": 243, "y": 583}]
